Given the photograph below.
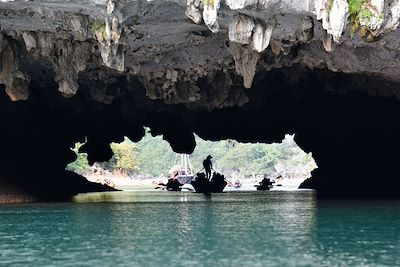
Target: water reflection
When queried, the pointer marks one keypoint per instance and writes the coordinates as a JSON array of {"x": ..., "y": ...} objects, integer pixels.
[
  {"x": 358, "y": 232},
  {"x": 233, "y": 228},
  {"x": 185, "y": 229}
]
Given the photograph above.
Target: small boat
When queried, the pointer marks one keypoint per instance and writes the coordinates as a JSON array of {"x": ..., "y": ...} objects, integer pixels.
[
  {"x": 182, "y": 169},
  {"x": 181, "y": 173},
  {"x": 235, "y": 185},
  {"x": 265, "y": 184},
  {"x": 202, "y": 185},
  {"x": 171, "y": 185}
]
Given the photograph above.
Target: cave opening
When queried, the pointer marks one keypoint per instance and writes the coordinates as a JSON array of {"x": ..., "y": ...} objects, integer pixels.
[
  {"x": 146, "y": 164},
  {"x": 349, "y": 123}
]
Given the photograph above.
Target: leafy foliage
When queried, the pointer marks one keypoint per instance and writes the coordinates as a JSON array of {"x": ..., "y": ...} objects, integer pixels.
[
  {"x": 361, "y": 12},
  {"x": 330, "y": 4},
  {"x": 229, "y": 156},
  {"x": 125, "y": 156},
  {"x": 209, "y": 3},
  {"x": 153, "y": 156},
  {"x": 354, "y": 11},
  {"x": 355, "y": 6},
  {"x": 80, "y": 165},
  {"x": 98, "y": 27},
  {"x": 124, "y": 159}
]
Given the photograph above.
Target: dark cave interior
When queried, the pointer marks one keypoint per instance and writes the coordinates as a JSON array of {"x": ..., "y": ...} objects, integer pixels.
[{"x": 348, "y": 121}]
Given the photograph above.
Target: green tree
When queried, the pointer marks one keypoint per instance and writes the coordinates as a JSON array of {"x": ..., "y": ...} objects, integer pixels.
[
  {"x": 81, "y": 164},
  {"x": 125, "y": 157},
  {"x": 153, "y": 156}
]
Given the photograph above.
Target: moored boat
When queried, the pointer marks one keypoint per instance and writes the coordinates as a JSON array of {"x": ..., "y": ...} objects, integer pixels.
[
  {"x": 202, "y": 185},
  {"x": 182, "y": 171},
  {"x": 174, "y": 185},
  {"x": 171, "y": 185},
  {"x": 237, "y": 184},
  {"x": 265, "y": 184}
]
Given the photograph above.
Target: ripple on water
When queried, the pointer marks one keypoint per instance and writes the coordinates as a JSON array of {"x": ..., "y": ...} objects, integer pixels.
[{"x": 185, "y": 229}]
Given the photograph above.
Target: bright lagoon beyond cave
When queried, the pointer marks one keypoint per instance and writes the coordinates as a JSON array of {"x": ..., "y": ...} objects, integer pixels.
[{"x": 145, "y": 164}]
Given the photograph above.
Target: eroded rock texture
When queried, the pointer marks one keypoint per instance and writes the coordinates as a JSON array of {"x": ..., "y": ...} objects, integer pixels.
[{"x": 248, "y": 70}]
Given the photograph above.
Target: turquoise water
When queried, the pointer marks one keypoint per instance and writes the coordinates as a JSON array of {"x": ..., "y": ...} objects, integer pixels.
[{"x": 186, "y": 229}]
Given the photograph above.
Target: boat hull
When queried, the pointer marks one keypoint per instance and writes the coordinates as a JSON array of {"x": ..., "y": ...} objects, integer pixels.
[
  {"x": 203, "y": 185},
  {"x": 174, "y": 189},
  {"x": 263, "y": 188},
  {"x": 208, "y": 187}
]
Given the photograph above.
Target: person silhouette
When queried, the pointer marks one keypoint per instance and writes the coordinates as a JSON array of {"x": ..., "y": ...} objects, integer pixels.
[{"x": 207, "y": 164}]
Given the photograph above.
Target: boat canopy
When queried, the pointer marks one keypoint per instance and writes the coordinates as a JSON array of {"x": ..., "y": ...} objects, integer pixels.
[{"x": 182, "y": 169}]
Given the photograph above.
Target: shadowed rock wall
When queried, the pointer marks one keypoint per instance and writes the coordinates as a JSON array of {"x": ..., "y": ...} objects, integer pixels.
[{"x": 353, "y": 136}]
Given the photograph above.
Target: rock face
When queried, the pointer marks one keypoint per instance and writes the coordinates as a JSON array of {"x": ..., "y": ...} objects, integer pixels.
[
  {"x": 9, "y": 193},
  {"x": 15, "y": 81},
  {"x": 104, "y": 69}
]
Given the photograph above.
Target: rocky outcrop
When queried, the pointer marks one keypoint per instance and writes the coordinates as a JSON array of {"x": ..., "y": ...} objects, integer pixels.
[
  {"x": 103, "y": 69},
  {"x": 11, "y": 72},
  {"x": 246, "y": 63},
  {"x": 11, "y": 194},
  {"x": 67, "y": 57},
  {"x": 108, "y": 34},
  {"x": 373, "y": 16},
  {"x": 193, "y": 11},
  {"x": 120, "y": 30}
]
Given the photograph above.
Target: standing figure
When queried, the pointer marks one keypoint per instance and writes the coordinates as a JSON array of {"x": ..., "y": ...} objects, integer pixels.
[{"x": 207, "y": 164}]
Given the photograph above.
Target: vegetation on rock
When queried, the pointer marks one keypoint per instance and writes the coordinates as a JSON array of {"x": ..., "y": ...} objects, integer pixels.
[
  {"x": 124, "y": 160},
  {"x": 98, "y": 27},
  {"x": 355, "y": 9},
  {"x": 360, "y": 10},
  {"x": 209, "y": 3},
  {"x": 81, "y": 163},
  {"x": 330, "y": 4}
]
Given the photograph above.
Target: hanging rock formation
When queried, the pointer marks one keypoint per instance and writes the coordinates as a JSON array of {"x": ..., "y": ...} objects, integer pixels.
[{"x": 11, "y": 73}]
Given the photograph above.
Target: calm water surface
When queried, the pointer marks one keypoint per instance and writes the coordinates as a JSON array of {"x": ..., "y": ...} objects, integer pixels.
[{"x": 187, "y": 229}]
